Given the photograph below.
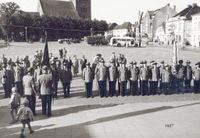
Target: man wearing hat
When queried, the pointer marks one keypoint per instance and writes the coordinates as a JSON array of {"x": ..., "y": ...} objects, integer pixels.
[
  {"x": 161, "y": 69},
  {"x": 83, "y": 62},
  {"x": 36, "y": 74},
  {"x": 196, "y": 77},
  {"x": 88, "y": 77},
  {"x": 134, "y": 77},
  {"x": 123, "y": 78},
  {"x": 155, "y": 76},
  {"x": 166, "y": 78},
  {"x": 30, "y": 89},
  {"x": 101, "y": 73},
  {"x": 144, "y": 76},
  {"x": 180, "y": 69},
  {"x": 45, "y": 86},
  {"x": 66, "y": 78},
  {"x": 188, "y": 76},
  {"x": 55, "y": 74},
  {"x": 112, "y": 77},
  {"x": 19, "y": 74}
]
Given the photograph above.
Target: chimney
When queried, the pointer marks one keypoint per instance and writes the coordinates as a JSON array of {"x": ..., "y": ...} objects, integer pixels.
[
  {"x": 168, "y": 4},
  {"x": 189, "y": 6},
  {"x": 174, "y": 7}
]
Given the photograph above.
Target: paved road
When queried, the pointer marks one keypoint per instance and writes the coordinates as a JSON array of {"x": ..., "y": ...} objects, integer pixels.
[{"x": 174, "y": 116}]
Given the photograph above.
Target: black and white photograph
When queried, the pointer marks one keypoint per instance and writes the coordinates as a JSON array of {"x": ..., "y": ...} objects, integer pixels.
[{"x": 99, "y": 69}]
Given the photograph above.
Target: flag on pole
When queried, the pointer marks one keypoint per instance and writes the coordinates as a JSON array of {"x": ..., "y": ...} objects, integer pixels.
[{"x": 45, "y": 60}]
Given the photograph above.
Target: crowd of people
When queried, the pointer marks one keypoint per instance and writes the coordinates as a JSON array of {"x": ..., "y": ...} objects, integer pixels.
[{"x": 30, "y": 78}]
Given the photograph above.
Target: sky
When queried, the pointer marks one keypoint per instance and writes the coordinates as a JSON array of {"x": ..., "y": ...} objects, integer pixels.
[{"x": 118, "y": 11}]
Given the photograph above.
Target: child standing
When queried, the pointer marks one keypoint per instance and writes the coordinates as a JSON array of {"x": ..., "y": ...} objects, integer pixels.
[
  {"x": 14, "y": 104},
  {"x": 26, "y": 115}
]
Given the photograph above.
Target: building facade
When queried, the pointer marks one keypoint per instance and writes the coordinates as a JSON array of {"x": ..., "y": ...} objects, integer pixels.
[
  {"x": 195, "y": 40},
  {"x": 123, "y": 30},
  {"x": 152, "y": 20},
  {"x": 181, "y": 25},
  {"x": 74, "y": 9}
]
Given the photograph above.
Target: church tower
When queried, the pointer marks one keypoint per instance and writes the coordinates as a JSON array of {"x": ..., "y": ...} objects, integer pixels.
[{"x": 83, "y": 7}]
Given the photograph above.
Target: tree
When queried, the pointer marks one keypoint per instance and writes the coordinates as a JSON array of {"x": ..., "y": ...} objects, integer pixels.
[{"x": 6, "y": 11}]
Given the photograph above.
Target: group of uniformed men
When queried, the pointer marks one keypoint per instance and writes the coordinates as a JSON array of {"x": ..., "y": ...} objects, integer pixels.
[{"x": 31, "y": 79}]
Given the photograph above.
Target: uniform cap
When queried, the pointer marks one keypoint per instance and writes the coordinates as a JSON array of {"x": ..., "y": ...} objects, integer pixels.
[
  {"x": 88, "y": 63},
  {"x": 162, "y": 62},
  {"x": 141, "y": 62},
  {"x": 112, "y": 61},
  {"x": 45, "y": 67},
  {"x": 25, "y": 101},
  {"x": 188, "y": 61},
  {"x": 145, "y": 62},
  {"x": 180, "y": 61},
  {"x": 30, "y": 69}
]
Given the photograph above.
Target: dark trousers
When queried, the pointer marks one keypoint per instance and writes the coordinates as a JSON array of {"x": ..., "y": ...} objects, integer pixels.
[
  {"x": 166, "y": 88},
  {"x": 88, "y": 88},
  {"x": 133, "y": 87},
  {"x": 197, "y": 86},
  {"x": 102, "y": 88},
  {"x": 112, "y": 88},
  {"x": 144, "y": 87},
  {"x": 173, "y": 82},
  {"x": 153, "y": 87},
  {"x": 32, "y": 102},
  {"x": 123, "y": 88},
  {"x": 46, "y": 104},
  {"x": 7, "y": 89},
  {"x": 161, "y": 86},
  {"x": 179, "y": 85},
  {"x": 19, "y": 86},
  {"x": 55, "y": 88},
  {"x": 66, "y": 89},
  {"x": 187, "y": 85}
]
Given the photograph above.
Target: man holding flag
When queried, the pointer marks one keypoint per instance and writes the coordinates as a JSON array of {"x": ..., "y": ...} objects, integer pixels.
[{"x": 45, "y": 83}]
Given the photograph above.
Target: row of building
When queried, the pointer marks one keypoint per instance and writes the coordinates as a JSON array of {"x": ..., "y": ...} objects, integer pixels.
[{"x": 164, "y": 25}]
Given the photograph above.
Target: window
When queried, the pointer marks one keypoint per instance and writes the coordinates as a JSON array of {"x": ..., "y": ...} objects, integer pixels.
[{"x": 83, "y": 9}]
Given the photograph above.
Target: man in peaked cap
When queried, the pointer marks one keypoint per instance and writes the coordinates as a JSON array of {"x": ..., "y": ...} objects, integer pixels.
[
  {"x": 134, "y": 77},
  {"x": 180, "y": 69},
  {"x": 112, "y": 77},
  {"x": 188, "y": 76},
  {"x": 155, "y": 76},
  {"x": 144, "y": 76},
  {"x": 196, "y": 77},
  {"x": 123, "y": 78},
  {"x": 45, "y": 86},
  {"x": 101, "y": 73},
  {"x": 88, "y": 77}
]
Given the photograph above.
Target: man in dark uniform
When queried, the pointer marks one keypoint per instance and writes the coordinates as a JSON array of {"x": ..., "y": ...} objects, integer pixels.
[
  {"x": 66, "y": 78},
  {"x": 55, "y": 74},
  {"x": 180, "y": 69},
  {"x": 161, "y": 69},
  {"x": 155, "y": 75},
  {"x": 112, "y": 76},
  {"x": 196, "y": 76},
  {"x": 88, "y": 77},
  {"x": 188, "y": 76},
  {"x": 123, "y": 78},
  {"x": 46, "y": 90},
  {"x": 30, "y": 89},
  {"x": 166, "y": 77},
  {"x": 134, "y": 77},
  {"x": 19, "y": 74},
  {"x": 144, "y": 72},
  {"x": 102, "y": 75}
]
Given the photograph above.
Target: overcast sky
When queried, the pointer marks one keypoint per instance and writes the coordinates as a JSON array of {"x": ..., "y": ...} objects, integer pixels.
[{"x": 116, "y": 10}]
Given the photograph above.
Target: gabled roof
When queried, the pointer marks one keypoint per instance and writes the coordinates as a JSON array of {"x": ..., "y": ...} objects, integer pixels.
[
  {"x": 126, "y": 25},
  {"x": 111, "y": 26},
  {"x": 189, "y": 11},
  {"x": 59, "y": 8}
]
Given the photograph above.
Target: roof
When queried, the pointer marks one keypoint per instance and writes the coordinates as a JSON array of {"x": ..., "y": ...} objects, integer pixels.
[
  {"x": 111, "y": 26},
  {"x": 33, "y": 13},
  {"x": 58, "y": 8},
  {"x": 189, "y": 11},
  {"x": 126, "y": 25}
]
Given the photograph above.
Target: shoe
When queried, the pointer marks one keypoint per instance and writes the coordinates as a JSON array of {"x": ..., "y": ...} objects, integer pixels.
[
  {"x": 22, "y": 136},
  {"x": 31, "y": 131}
]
